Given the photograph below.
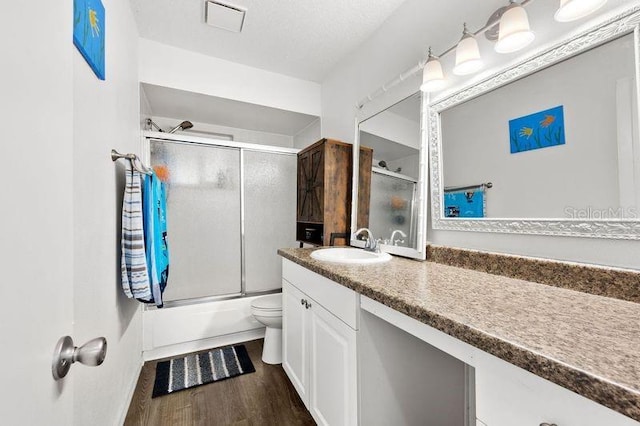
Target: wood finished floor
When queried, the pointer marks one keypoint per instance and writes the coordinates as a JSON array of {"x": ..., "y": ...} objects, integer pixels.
[{"x": 265, "y": 397}]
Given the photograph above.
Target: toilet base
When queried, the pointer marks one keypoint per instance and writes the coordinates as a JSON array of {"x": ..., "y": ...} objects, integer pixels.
[{"x": 272, "y": 349}]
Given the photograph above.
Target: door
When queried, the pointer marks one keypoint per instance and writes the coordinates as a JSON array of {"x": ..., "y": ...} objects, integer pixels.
[
  {"x": 311, "y": 185},
  {"x": 203, "y": 218},
  {"x": 36, "y": 247},
  {"x": 295, "y": 349},
  {"x": 332, "y": 346},
  {"x": 269, "y": 216}
]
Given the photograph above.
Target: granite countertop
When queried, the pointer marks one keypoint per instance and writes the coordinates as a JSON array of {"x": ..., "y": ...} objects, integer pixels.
[{"x": 586, "y": 343}]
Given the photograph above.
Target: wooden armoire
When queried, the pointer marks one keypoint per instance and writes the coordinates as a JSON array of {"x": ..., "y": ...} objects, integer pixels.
[{"x": 324, "y": 192}]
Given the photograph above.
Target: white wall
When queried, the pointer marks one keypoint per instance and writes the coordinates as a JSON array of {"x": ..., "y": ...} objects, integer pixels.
[
  {"x": 106, "y": 116},
  {"x": 405, "y": 381},
  {"x": 169, "y": 66},
  {"x": 553, "y": 181},
  {"x": 309, "y": 135},
  {"x": 393, "y": 127},
  {"x": 395, "y": 47},
  {"x": 36, "y": 219},
  {"x": 227, "y": 133},
  {"x": 410, "y": 165}
]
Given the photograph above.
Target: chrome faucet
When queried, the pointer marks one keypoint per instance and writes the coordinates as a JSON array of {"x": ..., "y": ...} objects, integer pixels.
[
  {"x": 370, "y": 243},
  {"x": 393, "y": 237}
]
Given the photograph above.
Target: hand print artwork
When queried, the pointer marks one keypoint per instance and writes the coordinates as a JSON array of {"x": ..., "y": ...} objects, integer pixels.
[
  {"x": 539, "y": 130},
  {"x": 88, "y": 33}
]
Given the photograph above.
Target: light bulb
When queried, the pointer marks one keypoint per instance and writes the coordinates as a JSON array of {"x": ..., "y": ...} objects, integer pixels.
[
  {"x": 571, "y": 10},
  {"x": 514, "y": 33},
  {"x": 467, "y": 54},
  {"x": 432, "y": 75}
]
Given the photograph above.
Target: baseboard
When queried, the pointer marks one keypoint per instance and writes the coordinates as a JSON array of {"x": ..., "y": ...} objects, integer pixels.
[
  {"x": 199, "y": 345},
  {"x": 131, "y": 390}
]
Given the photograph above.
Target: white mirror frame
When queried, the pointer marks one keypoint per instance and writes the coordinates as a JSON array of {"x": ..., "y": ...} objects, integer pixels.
[
  {"x": 420, "y": 252},
  {"x": 600, "y": 33}
]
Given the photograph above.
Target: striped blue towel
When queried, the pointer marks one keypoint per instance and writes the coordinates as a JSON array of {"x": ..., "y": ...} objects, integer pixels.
[{"x": 135, "y": 277}]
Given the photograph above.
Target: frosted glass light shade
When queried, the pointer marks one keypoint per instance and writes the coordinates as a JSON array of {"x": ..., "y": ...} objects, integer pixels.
[
  {"x": 432, "y": 75},
  {"x": 571, "y": 10},
  {"x": 467, "y": 56},
  {"x": 514, "y": 33}
]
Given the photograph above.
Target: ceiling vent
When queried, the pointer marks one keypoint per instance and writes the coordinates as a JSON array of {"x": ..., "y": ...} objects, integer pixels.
[{"x": 225, "y": 16}]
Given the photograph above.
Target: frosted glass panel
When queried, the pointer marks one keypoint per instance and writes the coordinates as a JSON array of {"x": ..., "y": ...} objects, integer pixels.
[
  {"x": 270, "y": 216},
  {"x": 392, "y": 208},
  {"x": 203, "y": 219}
]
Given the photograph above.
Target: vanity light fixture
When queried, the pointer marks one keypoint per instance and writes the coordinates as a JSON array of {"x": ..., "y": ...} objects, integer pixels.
[
  {"x": 514, "y": 32},
  {"x": 468, "y": 58},
  {"x": 432, "y": 75},
  {"x": 508, "y": 27},
  {"x": 571, "y": 10}
]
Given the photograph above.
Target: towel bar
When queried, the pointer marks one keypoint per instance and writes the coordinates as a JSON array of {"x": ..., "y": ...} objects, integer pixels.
[{"x": 115, "y": 155}]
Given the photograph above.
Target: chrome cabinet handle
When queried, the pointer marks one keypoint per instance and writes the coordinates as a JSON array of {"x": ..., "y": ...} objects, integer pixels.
[
  {"x": 548, "y": 424},
  {"x": 304, "y": 303}
]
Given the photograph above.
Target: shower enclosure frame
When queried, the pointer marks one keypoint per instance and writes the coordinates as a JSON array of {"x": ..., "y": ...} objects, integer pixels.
[
  {"x": 148, "y": 136},
  {"x": 413, "y": 227}
]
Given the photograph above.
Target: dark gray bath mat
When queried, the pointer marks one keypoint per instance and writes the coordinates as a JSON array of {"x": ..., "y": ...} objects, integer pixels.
[{"x": 199, "y": 369}]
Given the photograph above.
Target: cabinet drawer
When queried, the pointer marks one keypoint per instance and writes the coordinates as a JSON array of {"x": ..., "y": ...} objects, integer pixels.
[{"x": 340, "y": 301}]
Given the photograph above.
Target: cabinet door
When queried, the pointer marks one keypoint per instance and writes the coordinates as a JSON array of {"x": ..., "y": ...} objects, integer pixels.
[
  {"x": 316, "y": 199},
  {"x": 333, "y": 393},
  {"x": 304, "y": 180},
  {"x": 311, "y": 185},
  {"x": 295, "y": 350}
]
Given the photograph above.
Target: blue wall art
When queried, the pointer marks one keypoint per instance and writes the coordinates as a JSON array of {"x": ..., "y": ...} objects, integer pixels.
[
  {"x": 88, "y": 33},
  {"x": 540, "y": 130},
  {"x": 464, "y": 203}
]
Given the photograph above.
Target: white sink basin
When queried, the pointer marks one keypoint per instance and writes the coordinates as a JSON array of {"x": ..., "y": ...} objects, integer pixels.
[{"x": 349, "y": 255}]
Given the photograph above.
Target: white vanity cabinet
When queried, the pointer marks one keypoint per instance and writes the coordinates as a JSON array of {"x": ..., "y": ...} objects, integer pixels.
[
  {"x": 504, "y": 394},
  {"x": 509, "y": 395},
  {"x": 320, "y": 319}
]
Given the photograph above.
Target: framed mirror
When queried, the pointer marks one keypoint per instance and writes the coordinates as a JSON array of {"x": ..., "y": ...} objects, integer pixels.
[
  {"x": 393, "y": 189},
  {"x": 548, "y": 146}
]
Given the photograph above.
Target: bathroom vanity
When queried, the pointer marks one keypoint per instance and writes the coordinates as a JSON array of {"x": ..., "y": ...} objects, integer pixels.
[{"x": 515, "y": 352}]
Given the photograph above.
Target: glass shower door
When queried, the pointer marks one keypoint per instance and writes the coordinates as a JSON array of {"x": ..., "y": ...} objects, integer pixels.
[
  {"x": 270, "y": 216},
  {"x": 392, "y": 207},
  {"x": 203, "y": 219}
]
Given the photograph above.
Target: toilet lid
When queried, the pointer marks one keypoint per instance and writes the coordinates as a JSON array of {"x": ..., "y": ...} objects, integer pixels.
[{"x": 272, "y": 302}]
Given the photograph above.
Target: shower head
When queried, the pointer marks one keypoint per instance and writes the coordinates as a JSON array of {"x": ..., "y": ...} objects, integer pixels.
[
  {"x": 182, "y": 126},
  {"x": 383, "y": 164}
]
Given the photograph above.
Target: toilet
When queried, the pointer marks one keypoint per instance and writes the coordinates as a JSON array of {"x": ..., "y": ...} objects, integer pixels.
[{"x": 267, "y": 310}]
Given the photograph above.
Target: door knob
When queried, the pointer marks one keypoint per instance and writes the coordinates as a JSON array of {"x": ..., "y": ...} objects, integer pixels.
[{"x": 91, "y": 353}]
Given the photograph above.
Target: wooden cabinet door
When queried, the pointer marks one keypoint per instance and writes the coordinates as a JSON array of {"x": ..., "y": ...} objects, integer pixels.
[
  {"x": 304, "y": 179},
  {"x": 295, "y": 345},
  {"x": 317, "y": 185},
  {"x": 311, "y": 185},
  {"x": 333, "y": 394}
]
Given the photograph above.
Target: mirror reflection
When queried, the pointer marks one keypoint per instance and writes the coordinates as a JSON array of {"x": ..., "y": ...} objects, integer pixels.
[
  {"x": 394, "y": 137},
  {"x": 560, "y": 143}
]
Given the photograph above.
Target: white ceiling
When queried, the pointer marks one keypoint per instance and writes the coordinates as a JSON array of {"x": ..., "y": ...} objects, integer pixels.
[
  {"x": 299, "y": 38},
  {"x": 182, "y": 105}
]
